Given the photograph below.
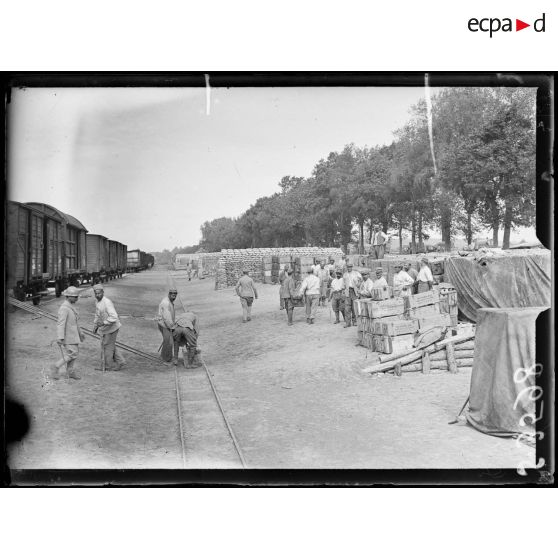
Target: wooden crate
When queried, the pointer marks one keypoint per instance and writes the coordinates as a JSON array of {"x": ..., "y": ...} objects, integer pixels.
[
  {"x": 422, "y": 312},
  {"x": 361, "y": 306},
  {"x": 395, "y": 344},
  {"x": 423, "y": 299},
  {"x": 442, "y": 320},
  {"x": 368, "y": 341},
  {"x": 400, "y": 327},
  {"x": 381, "y": 294},
  {"x": 384, "y": 308}
]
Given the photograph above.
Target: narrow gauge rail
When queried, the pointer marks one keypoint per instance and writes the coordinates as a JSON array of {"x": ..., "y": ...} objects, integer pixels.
[{"x": 215, "y": 395}]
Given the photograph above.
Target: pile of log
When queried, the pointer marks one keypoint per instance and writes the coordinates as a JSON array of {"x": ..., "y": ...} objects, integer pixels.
[{"x": 453, "y": 354}]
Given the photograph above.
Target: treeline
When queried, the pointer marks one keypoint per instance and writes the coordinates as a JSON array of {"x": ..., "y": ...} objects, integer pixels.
[
  {"x": 477, "y": 172},
  {"x": 166, "y": 257}
]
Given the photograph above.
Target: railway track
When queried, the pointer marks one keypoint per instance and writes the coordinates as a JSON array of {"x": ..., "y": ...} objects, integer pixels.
[{"x": 191, "y": 396}]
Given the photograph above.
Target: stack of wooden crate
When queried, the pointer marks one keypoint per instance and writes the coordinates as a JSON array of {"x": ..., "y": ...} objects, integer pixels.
[
  {"x": 377, "y": 316},
  {"x": 389, "y": 326}
]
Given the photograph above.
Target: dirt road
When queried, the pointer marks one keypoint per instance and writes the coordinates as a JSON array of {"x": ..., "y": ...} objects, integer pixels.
[{"x": 295, "y": 396}]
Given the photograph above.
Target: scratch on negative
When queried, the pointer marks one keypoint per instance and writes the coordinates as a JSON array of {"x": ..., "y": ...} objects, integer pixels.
[
  {"x": 207, "y": 95},
  {"x": 429, "y": 116}
]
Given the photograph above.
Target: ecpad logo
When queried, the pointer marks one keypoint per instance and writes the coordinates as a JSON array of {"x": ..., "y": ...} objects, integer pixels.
[{"x": 492, "y": 25}]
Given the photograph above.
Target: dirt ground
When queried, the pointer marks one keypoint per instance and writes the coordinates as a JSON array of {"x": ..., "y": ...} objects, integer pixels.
[{"x": 296, "y": 397}]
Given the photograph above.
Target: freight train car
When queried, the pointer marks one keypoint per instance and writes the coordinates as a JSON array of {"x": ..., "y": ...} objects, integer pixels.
[
  {"x": 133, "y": 261},
  {"x": 121, "y": 259},
  {"x": 97, "y": 258},
  {"x": 44, "y": 247},
  {"x": 71, "y": 238},
  {"x": 25, "y": 251}
]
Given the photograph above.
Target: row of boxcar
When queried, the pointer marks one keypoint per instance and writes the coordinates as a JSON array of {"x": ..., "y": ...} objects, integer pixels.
[{"x": 46, "y": 247}]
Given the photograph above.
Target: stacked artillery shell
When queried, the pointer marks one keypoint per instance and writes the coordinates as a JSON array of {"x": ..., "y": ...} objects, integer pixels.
[{"x": 264, "y": 264}]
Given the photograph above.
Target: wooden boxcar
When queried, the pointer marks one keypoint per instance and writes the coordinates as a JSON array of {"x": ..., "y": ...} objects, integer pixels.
[
  {"x": 122, "y": 259},
  {"x": 133, "y": 260},
  {"x": 30, "y": 261},
  {"x": 70, "y": 237},
  {"x": 112, "y": 269},
  {"x": 97, "y": 258}
]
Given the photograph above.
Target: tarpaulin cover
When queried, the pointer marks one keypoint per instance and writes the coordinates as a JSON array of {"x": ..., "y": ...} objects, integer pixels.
[
  {"x": 515, "y": 280},
  {"x": 501, "y": 394}
]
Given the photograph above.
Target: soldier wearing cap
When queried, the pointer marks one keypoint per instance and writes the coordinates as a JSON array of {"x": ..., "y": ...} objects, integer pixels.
[
  {"x": 69, "y": 335},
  {"x": 401, "y": 279},
  {"x": 107, "y": 324},
  {"x": 425, "y": 278},
  {"x": 165, "y": 322},
  {"x": 246, "y": 290},
  {"x": 336, "y": 295},
  {"x": 380, "y": 281},
  {"x": 352, "y": 280},
  {"x": 365, "y": 289}
]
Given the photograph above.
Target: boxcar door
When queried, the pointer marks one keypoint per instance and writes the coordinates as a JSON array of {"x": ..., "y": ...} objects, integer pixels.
[{"x": 37, "y": 246}]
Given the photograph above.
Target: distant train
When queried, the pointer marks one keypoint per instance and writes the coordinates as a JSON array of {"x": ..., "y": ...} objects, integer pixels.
[
  {"x": 138, "y": 260},
  {"x": 46, "y": 247}
]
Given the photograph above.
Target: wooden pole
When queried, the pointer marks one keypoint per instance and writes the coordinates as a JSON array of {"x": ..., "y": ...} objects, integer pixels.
[
  {"x": 426, "y": 363},
  {"x": 450, "y": 353}
]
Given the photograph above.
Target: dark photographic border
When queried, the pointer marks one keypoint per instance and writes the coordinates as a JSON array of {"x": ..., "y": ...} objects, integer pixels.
[{"x": 544, "y": 82}]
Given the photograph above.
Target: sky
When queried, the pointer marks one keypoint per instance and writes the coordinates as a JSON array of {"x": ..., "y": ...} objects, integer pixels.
[{"x": 148, "y": 166}]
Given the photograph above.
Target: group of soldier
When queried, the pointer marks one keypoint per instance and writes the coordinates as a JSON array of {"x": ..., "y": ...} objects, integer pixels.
[
  {"x": 341, "y": 285},
  {"x": 177, "y": 331}
]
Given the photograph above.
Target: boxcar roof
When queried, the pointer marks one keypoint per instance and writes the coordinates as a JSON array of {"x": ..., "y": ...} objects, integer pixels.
[{"x": 49, "y": 210}]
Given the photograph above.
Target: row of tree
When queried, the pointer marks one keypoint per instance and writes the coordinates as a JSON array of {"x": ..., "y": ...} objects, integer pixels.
[{"x": 465, "y": 164}]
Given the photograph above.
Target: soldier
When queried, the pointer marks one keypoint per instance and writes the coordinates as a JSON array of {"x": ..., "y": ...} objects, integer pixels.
[
  {"x": 246, "y": 290},
  {"x": 106, "y": 322},
  {"x": 336, "y": 295},
  {"x": 365, "y": 288},
  {"x": 185, "y": 334},
  {"x": 378, "y": 243},
  {"x": 165, "y": 324},
  {"x": 69, "y": 335},
  {"x": 352, "y": 280},
  {"x": 283, "y": 278},
  {"x": 310, "y": 288}
]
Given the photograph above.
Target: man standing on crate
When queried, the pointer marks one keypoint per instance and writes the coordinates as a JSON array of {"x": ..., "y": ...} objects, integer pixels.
[
  {"x": 166, "y": 321},
  {"x": 106, "y": 322},
  {"x": 69, "y": 335},
  {"x": 336, "y": 296},
  {"x": 310, "y": 288},
  {"x": 352, "y": 280},
  {"x": 283, "y": 278},
  {"x": 246, "y": 290},
  {"x": 424, "y": 277},
  {"x": 185, "y": 334},
  {"x": 378, "y": 243}
]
